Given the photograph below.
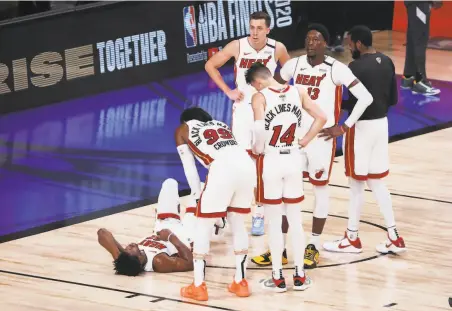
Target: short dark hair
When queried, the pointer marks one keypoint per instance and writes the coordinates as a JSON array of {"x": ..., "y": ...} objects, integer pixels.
[
  {"x": 261, "y": 15},
  {"x": 361, "y": 33},
  {"x": 257, "y": 69},
  {"x": 320, "y": 28},
  {"x": 127, "y": 264},
  {"x": 195, "y": 113}
]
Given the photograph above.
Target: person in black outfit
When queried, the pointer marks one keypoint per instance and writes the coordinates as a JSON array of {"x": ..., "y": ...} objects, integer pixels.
[
  {"x": 417, "y": 35},
  {"x": 366, "y": 143}
]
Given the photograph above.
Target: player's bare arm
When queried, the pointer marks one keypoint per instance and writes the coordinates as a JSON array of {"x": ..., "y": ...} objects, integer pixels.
[
  {"x": 107, "y": 241},
  {"x": 364, "y": 99},
  {"x": 258, "y": 104},
  {"x": 282, "y": 57},
  {"x": 231, "y": 50},
  {"x": 182, "y": 262},
  {"x": 315, "y": 112},
  {"x": 188, "y": 160}
]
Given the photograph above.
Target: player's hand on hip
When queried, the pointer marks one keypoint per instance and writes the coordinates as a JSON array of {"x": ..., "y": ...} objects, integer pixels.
[
  {"x": 235, "y": 95},
  {"x": 332, "y": 132},
  {"x": 164, "y": 234}
]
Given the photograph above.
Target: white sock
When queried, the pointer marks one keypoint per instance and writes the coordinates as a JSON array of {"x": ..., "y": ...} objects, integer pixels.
[
  {"x": 393, "y": 234},
  {"x": 355, "y": 204},
  {"x": 273, "y": 214},
  {"x": 201, "y": 247},
  {"x": 315, "y": 239},
  {"x": 259, "y": 211},
  {"x": 296, "y": 233},
  {"x": 199, "y": 271},
  {"x": 240, "y": 242},
  {"x": 285, "y": 239},
  {"x": 352, "y": 234},
  {"x": 241, "y": 263},
  {"x": 383, "y": 198}
]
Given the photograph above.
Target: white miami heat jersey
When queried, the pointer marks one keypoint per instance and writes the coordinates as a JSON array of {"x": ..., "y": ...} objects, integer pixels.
[
  {"x": 247, "y": 57},
  {"x": 153, "y": 246},
  {"x": 282, "y": 119},
  {"x": 322, "y": 82},
  {"x": 208, "y": 140}
]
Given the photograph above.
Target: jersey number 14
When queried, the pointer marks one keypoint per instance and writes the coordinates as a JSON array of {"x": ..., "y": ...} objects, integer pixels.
[{"x": 287, "y": 138}]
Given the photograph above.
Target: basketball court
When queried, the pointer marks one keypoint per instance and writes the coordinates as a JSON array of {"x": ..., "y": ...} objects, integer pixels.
[{"x": 68, "y": 169}]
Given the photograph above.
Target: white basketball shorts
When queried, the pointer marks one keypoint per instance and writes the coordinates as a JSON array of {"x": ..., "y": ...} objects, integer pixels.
[{"x": 366, "y": 150}]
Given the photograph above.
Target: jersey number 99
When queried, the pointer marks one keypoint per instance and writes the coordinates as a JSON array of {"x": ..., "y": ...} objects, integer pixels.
[{"x": 213, "y": 135}]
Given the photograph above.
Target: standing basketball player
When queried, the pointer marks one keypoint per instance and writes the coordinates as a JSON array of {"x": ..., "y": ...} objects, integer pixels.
[
  {"x": 322, "y": 77},
  {"x": 278, "y": 120},
  {"x": 366, "y": 143},
  {"x": 256, "y": 48},
  {"x": 228, "y": 191}
]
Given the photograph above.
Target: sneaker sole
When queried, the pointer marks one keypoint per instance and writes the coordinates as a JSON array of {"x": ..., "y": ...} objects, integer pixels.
[
  {"x": 344, "y": 250},
  {"x": 394, "y": 251},
  {"x": 427, "y": 94}
]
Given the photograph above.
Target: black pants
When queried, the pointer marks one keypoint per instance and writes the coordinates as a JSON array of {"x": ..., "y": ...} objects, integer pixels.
[{"x": 417, "y": 36}]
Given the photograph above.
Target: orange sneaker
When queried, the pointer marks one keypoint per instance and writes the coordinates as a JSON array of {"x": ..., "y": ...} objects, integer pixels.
[
  {"x": 197, "y": 293},
  {"x": 240, "y": 289}
]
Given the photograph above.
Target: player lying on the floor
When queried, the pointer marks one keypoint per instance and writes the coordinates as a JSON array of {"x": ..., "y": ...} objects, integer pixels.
[{"x": 167, "y": 250}]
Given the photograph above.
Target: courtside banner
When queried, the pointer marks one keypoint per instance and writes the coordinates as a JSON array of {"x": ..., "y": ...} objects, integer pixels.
[{"x": 49, "y": 59}]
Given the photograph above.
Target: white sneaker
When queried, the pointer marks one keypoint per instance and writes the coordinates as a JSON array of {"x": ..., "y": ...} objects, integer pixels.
[
  {"x": 390, "y": 246},
  {"x": 344, "y": 245}
]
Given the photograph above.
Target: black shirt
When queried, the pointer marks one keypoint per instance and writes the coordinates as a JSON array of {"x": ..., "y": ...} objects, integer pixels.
[{"x": 377, "y": 73}]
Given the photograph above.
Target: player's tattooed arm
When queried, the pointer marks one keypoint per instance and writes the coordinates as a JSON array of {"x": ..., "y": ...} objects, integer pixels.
[
  {"x": 258, "y": 104},
  {"x": 282, "y": 57},
  {"x": 231, "y": 50},
  {"x": 315, "y": 112},
  {"x": 181, "y": 263},
  {"x": 107, "y": 241},
  {"x": 188, "y": 160}
]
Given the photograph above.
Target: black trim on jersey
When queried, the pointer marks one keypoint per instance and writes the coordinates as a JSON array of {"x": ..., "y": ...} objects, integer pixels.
[
  {"x": 272, "y": 46},
  {"x": 295, "y": 70},
  {"x": 329, "y": 64},
  {"x": 331, "y": 72}
]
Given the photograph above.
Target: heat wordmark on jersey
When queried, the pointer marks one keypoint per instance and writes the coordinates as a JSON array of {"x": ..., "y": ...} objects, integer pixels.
[
  {"x": 248, "y": 62},
  {"x": 152, "y": 241},
  {"x": 310, "y": 80}
]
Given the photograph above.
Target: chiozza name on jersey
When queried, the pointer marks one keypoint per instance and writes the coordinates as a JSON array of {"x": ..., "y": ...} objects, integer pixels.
[{"x": 218, "y": 137}]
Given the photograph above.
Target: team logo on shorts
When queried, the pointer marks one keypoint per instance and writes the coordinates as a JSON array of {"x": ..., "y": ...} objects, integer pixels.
[
  {"x": 319, "y": 173},
  {"x": 191, "y": 34}
]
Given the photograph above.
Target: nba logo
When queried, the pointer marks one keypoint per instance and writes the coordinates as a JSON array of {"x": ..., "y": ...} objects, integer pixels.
[{"x": 191, "y": 36}]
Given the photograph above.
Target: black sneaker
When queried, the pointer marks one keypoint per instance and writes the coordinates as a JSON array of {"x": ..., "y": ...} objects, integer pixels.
[
  {"x": 407, "y": 83},
  {"x": 425, "y": 88}
]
